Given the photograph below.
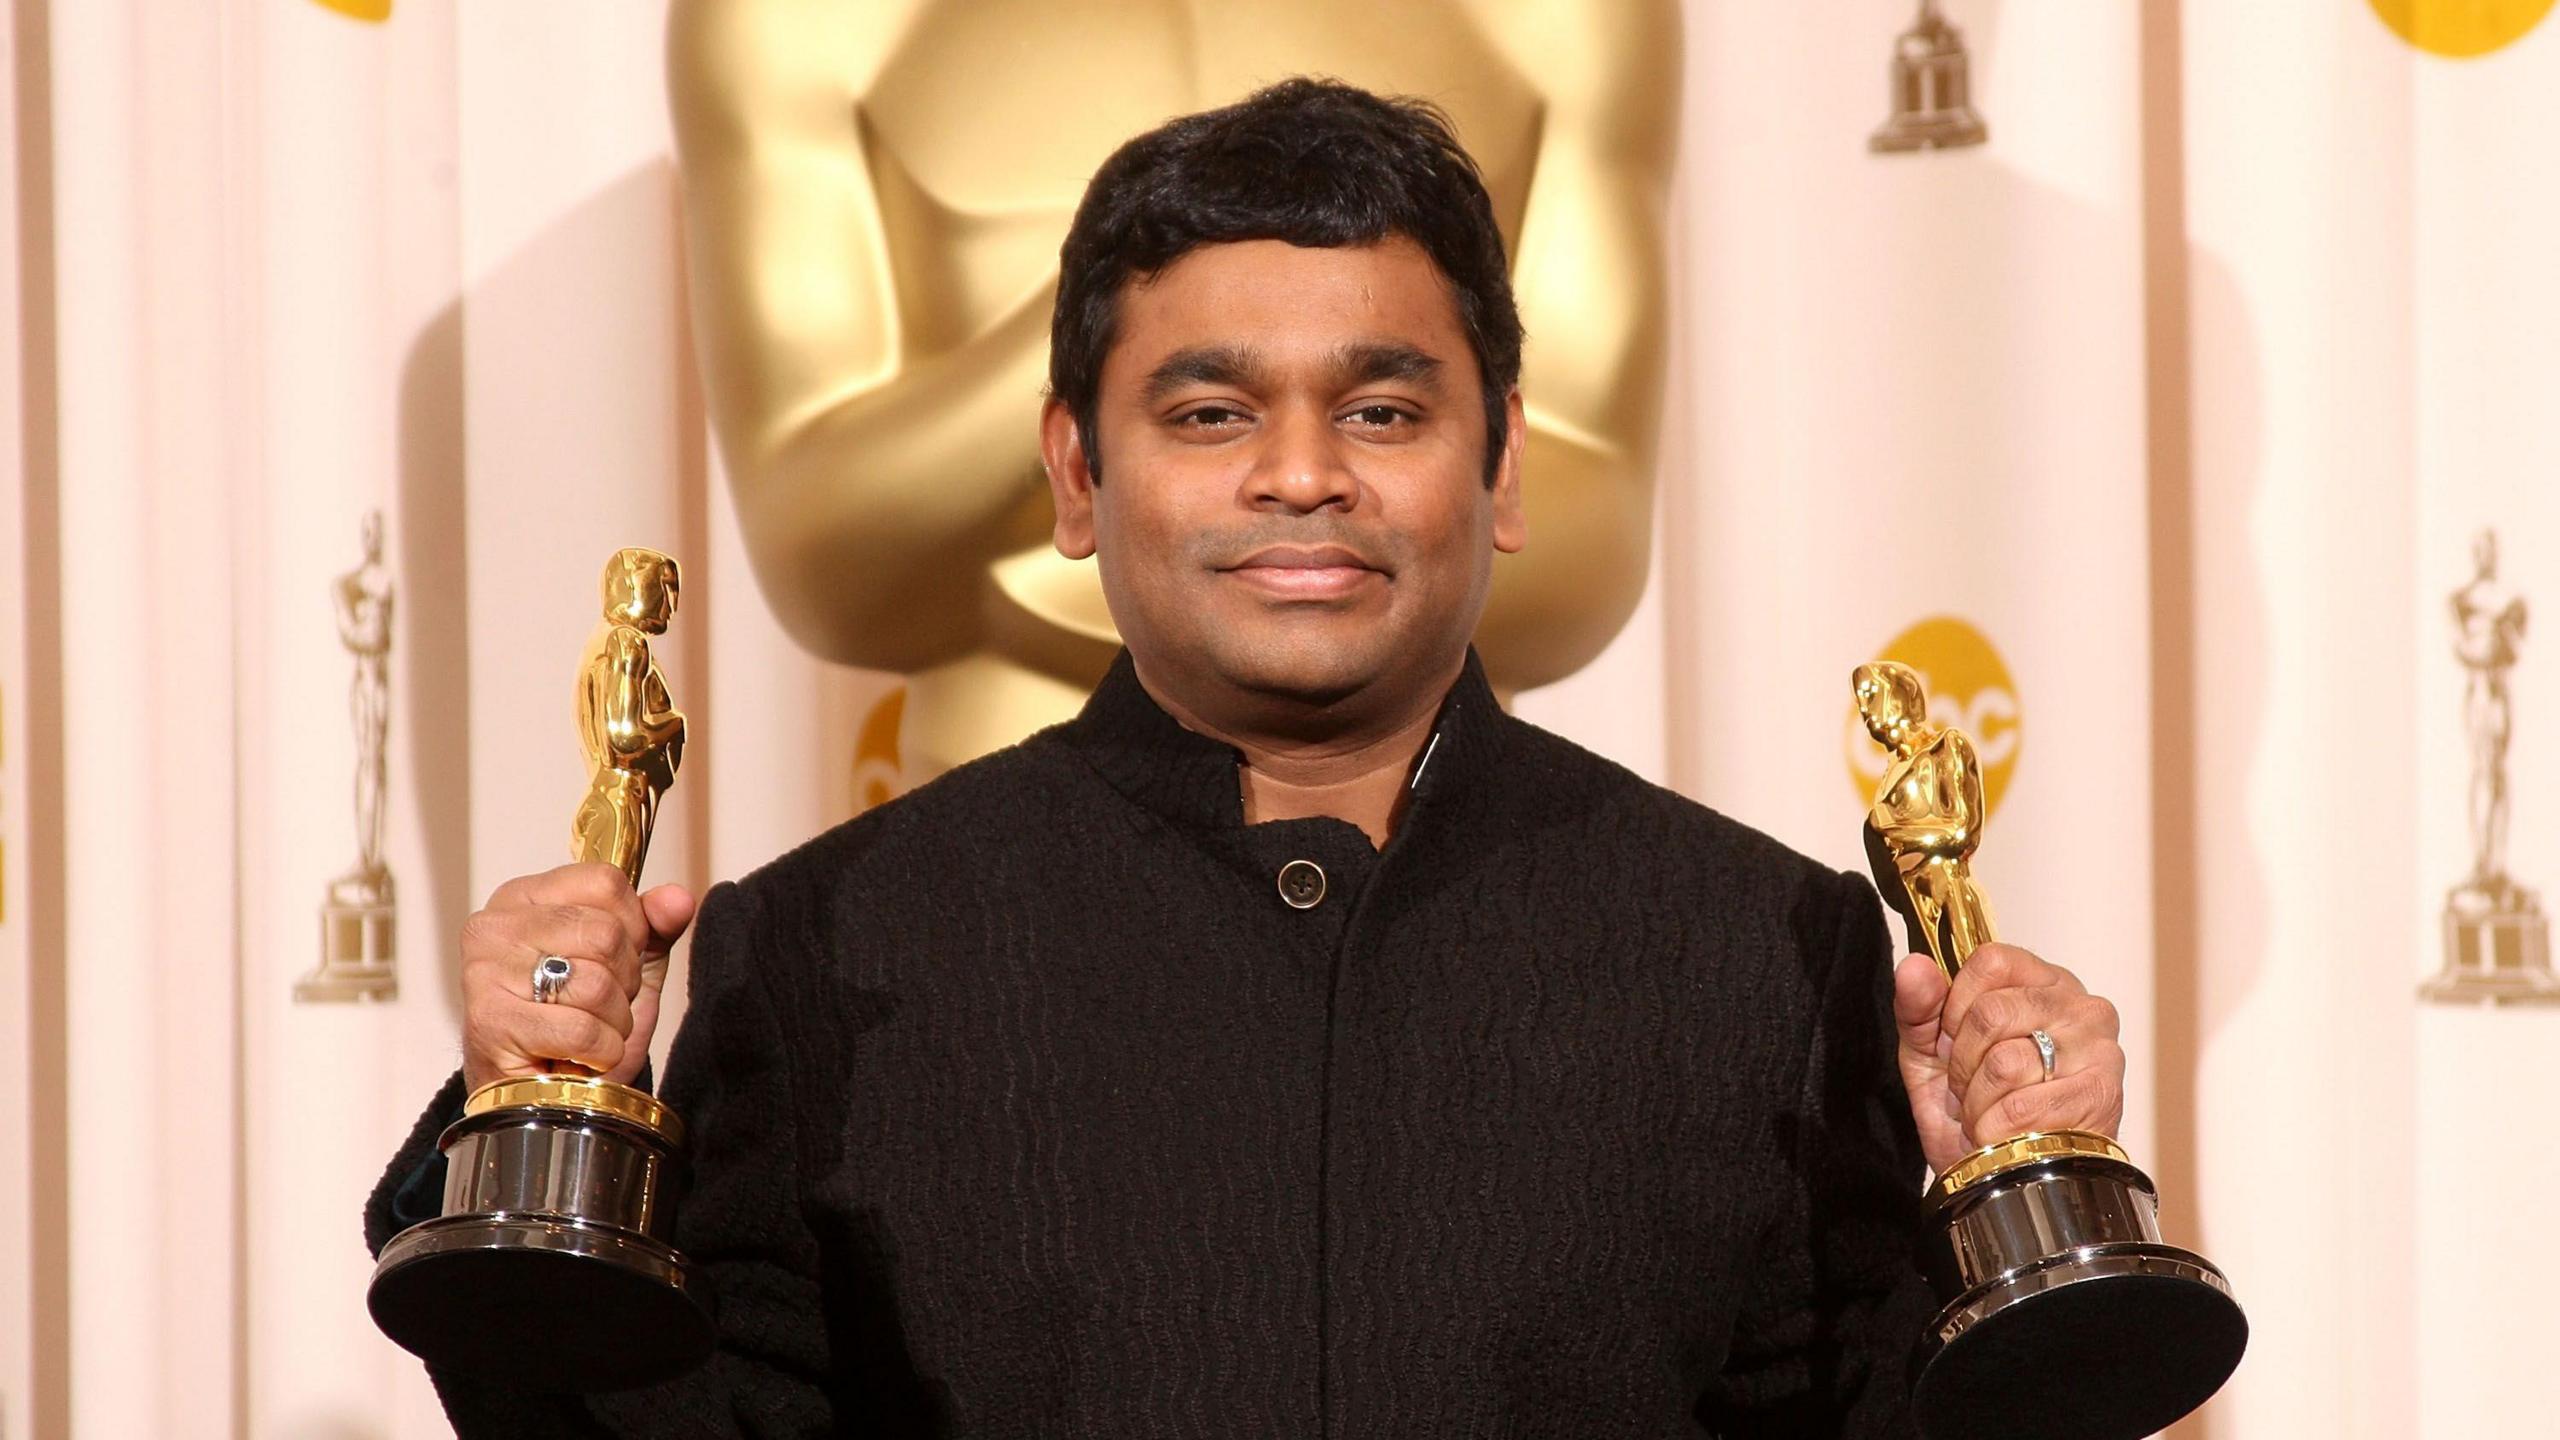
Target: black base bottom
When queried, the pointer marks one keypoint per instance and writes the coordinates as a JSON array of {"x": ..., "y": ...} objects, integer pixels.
[
  {"x": 541, "y": 1302},
  {"x": 2115, "y": 1356}
]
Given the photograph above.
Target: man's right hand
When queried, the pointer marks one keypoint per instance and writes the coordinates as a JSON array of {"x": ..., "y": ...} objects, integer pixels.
[{"x": 616, "y": 942}]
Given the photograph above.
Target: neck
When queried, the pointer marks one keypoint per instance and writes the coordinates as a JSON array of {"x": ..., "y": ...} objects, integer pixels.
[{"x": 1358, "y": 775}]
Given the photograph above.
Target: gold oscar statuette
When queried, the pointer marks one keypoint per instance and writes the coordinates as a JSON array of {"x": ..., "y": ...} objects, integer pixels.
[
  {"x": 2065, "y": 1315},
  {"x": 358, "y": 918},
  {"x": 560, "y": 1189},
  {"x": 2497, "y": 942}
]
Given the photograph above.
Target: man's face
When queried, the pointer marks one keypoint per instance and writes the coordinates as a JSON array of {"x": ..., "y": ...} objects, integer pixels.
[{"x": 1293, "y": 510}]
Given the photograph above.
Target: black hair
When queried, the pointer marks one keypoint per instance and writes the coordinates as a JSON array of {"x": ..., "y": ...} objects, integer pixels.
[{"x": 1311, "y": 162}]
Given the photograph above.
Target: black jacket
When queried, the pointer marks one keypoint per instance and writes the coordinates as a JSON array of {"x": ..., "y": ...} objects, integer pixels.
[{"x": 1026, "y": 1105}]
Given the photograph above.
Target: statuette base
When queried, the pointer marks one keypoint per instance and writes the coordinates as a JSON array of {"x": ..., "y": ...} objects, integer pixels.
[
  {"x": 2497, "y": 950},
  {"x": 557, "y": 1209},
  {"x": 355, "y": 955},
  {"x": 2066, "y": 1316},
  {"x": 1935, "y": 130}
]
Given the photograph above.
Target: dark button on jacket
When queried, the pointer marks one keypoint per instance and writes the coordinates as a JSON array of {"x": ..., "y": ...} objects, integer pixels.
[
  {"x": 1302, "y": 884},
  {"x": 1022, "y": 1107}
]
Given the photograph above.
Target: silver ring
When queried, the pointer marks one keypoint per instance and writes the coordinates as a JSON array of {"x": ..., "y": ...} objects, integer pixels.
[
  {"x": 551, "y": 976},
  {"x": 2044, "y": 1048}
]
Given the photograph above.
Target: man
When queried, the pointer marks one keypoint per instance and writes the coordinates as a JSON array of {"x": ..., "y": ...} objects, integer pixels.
[{"x": 1292, "y": 1044}]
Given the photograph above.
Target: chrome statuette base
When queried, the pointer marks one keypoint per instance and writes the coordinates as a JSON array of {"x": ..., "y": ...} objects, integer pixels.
[
  {"x": 2066, "y": 1316},
  {"x": 558, "y": 1201}
]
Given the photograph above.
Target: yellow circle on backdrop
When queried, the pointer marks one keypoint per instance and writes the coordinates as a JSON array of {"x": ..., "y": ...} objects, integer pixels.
[
  {"x": 381, "y": 9},
  {"x": 2459, "y": 29},
  {"x": 1968, "y": 686}
]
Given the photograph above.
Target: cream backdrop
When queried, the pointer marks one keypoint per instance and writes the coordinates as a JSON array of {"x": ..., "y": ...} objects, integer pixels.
[{"x": 2173, "y": 408}]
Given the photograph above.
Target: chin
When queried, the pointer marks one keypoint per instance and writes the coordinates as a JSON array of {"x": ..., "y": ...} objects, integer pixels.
[{"x": 1308, "y": 664}]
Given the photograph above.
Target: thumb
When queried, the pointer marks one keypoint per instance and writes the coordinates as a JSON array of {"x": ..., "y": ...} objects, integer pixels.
[
  {"x": 668, "y": 909},
  {"x": 1919, "y": 1000}
]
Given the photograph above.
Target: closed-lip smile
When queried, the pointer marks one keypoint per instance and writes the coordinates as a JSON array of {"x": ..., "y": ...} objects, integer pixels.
[{"x": 1312, "y": 572}]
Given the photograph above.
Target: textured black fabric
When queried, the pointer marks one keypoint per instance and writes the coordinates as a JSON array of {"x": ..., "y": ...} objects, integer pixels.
[{"x": 1026, "y": 1106}]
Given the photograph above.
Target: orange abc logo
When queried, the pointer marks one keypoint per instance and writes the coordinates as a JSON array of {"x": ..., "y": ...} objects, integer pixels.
[
  {"x": 360, "y": 9},
  {"x": 1968, "y": 687},
  {"x": 2460, "y": 29},
  {"x": 878, "y": 778}
]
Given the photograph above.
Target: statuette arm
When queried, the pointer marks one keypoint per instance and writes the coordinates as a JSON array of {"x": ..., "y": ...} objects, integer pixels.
[
  {"x": 1589, "y": 272},
  {"x": 876, "y": 472}
]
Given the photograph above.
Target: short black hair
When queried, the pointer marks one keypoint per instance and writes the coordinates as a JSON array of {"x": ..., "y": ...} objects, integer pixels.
[{"x": 1312, "y": 162}]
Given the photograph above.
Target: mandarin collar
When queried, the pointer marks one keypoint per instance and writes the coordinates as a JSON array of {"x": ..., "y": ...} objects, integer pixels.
[{"x": 1187, "y": 777}]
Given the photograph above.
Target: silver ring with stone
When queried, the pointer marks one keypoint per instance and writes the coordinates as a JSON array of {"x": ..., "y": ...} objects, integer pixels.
[
  {"x": 2044, "y": 1048},
  {"x": 551, "y": 976}
]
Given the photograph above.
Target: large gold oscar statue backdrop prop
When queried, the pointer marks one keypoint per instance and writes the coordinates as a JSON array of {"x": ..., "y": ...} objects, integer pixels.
[
  {"x": 2066, "y": 1317},
  {"x": 2497, "y": 943},
  {"x": 560, "y": 1189},
  {"x": 874, "y": 197}
]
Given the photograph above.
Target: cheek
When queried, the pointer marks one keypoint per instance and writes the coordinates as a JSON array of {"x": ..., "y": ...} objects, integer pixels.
[
  {"x": 1453, "y": 535},
  {"x": 1141, "y": 545}
]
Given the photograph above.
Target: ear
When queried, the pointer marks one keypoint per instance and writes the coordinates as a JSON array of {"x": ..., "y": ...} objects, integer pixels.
[
  {"x": 1070, "y": 480},
  {"x": 1510, "y": 527}
]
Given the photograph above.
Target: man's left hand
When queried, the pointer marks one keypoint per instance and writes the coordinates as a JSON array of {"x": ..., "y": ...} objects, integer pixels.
[{"x": 1969, "y": 1056}]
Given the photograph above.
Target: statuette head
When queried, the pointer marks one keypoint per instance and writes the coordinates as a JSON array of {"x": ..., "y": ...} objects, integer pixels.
[
  {"x": 640, "y": 589},
  {"x": 1891, "y": 701}
]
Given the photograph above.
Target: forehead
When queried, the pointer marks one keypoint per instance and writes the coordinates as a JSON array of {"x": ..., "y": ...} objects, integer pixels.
[{"x": 1295, "y": 305}]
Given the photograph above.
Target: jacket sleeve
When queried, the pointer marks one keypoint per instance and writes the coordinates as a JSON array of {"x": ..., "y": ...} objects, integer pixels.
[
  {"x": 740, "y": 1222},
  {"x": 1825, "y": 1341}
]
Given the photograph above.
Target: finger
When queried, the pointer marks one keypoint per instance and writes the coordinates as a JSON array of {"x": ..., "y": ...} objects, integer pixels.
[
  {"x": 2016, "y": 1013},
  {"x": 2091, "y": 1100},
  {"x": 580, "y": 933},
  {"x": 591, "y": 987},
  {"x": 2000, "y": 967},
  {"x": 538, "y": 1034},
  {"x": 2014, "y": 1065},
  {"x": 591, "y": 883},
  {"x": 507, "y": 1035}
]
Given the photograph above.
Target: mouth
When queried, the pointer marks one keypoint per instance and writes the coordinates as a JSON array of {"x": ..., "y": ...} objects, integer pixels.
[{"x": 1297, "y": 572}]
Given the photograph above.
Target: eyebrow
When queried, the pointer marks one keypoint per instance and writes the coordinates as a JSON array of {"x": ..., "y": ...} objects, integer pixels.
[
  {"x": 1369, "y": 362},
  {"x": 1203, "y": 365},
  {"x": 1377, "y": 361}
]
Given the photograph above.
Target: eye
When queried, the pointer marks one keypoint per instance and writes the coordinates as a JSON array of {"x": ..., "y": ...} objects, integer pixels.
[
  {"x": 1209, "y": 417},
  {"x": 1380, "y": 416}
]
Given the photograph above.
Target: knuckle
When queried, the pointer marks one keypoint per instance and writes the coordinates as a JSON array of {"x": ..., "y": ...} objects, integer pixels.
[
  {"x": 1993, "y": 1013},
  {"x": 485, "y": 932},
  {"x": 596, "y": 882},
  {"x": 2000, "y": 962},
  {"x": 2024, "y": 1110},
  {"x": 585, "y": 930},
  {"x": 579, "y": 1032},
  {"x": 2104, "y": 1017},
  {"x": 2011, "y": 1063}
]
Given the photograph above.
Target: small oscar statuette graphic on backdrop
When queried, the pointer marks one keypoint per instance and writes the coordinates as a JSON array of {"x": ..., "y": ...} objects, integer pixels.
[
  {"x": 1930, "y": 90},
  {"x": 2497, "y": 943},
  {"x": 561, "y": 1189},
  {"x": 356, "y": 917},
  {"x": 2065, "y": 1315}
]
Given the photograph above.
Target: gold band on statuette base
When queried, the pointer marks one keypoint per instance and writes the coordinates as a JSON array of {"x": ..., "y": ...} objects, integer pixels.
[
  {"x": 2020, "y": 1150},
  {"x": 579, "y": 1092}
]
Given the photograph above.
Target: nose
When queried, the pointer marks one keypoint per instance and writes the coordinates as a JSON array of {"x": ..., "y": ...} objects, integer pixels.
[{"x": 1302, "y": 467}]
